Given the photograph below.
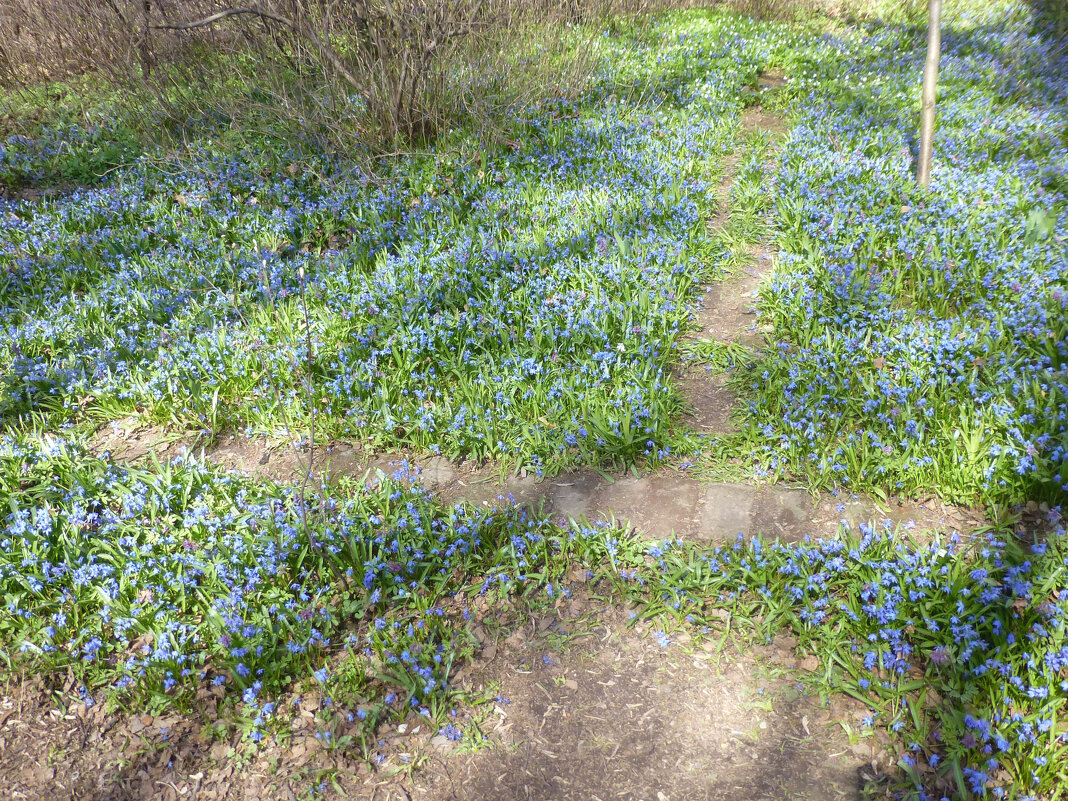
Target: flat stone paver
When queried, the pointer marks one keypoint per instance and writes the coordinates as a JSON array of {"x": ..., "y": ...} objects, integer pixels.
[
  {"x": 573, "y": 496},
  {"x": 784, "y": 514},
  {"x": 656, "y": 508},
  {"x": 726, "y": 511}
]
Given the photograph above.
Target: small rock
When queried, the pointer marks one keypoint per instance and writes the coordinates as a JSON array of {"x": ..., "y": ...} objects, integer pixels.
[
  {"x": 438, "y": 471},
  {"x": 810, "y": 663},
  {"x": 785, "y": 642},
  {"x": 441, "y": 743}
]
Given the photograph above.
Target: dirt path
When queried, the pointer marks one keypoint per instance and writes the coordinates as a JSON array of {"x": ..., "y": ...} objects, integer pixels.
[
  {"x": 725, "y": 310},
  {"x": 587, "y": 707},
  {"x": 667, "y": 503},
  {"x": 624, "y": 713}
]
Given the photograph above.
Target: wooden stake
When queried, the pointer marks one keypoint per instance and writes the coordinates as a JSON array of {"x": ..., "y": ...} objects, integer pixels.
[{"x": 930, "y": 82}]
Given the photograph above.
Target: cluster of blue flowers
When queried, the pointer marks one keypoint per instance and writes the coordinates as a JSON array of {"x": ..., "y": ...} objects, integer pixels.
[
  {"x": 163, "y": 582},
  {"x": 523, "y": 305},
  {"x": 920, "y": 334}
]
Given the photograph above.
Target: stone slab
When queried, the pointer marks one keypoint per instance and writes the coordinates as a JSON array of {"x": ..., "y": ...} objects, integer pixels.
[
  {"x": 658, "y": 506},
  {"x": 726, "y": 510}
]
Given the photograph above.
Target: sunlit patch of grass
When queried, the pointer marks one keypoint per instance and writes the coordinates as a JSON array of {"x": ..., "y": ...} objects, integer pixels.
[
  {"x": 917, "y": 337},
  {"x": 521, "y": 304},
  {"x": 715, "y": 356}
]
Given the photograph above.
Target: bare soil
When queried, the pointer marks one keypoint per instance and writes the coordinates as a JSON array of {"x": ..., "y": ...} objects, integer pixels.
[
  {"x": 725, "y": 311},
  {"x": 585, "y": 707},
  {"x": 619, "y": 713}
]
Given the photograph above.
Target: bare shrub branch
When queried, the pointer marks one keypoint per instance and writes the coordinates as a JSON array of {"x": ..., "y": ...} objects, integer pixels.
[
  {"x": 373, "y": 72},
  {"x": 229, "y": 12}
]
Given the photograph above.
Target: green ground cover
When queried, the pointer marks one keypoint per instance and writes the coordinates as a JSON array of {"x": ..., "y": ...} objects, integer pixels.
[
  {"x": 919, "y": 336},
  {"x": 527, "y": 305}
]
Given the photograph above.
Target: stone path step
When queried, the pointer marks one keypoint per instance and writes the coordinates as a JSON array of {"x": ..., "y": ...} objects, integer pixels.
[{"x": 659, "y": 505}]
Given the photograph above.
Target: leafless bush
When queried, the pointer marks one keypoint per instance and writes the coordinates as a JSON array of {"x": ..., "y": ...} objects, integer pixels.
[
  {"x": 53, "y": 39},
  {"x": 402, "y": 69},
  {"x": 375, "y": 70},
  {"x": 777, "y": 9}
]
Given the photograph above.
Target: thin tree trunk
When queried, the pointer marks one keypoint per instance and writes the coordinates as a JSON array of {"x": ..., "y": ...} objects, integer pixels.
[
  {"x": 145, "y": 45},
  {"x": 930, "y": 83}
]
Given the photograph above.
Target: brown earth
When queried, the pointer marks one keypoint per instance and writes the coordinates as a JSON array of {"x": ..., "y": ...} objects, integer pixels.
[
  {"x": 584, "y": 706},
  {"x": 617, "y": 715}
]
